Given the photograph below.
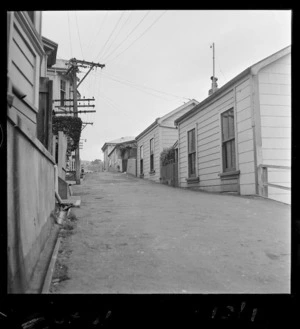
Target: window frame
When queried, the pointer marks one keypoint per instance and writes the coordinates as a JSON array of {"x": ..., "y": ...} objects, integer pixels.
[
  {"x": 141, "y": 159},
  {"x": 151, "y": 154},
  {"x": 229, "y": 139},
  {"x": 192, "y": 154},
  {"x": 63, "y": 92}
]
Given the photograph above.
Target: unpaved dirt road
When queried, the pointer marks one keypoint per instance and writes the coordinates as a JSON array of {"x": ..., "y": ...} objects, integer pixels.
[{"x": 135, "y": 236}]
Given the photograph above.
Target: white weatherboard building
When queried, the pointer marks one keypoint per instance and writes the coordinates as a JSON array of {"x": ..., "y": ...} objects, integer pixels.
[
  {"x": 239, "y": 138},
  {"x": 159, "y": 135}
]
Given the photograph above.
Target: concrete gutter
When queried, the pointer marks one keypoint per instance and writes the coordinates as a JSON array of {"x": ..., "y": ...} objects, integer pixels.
[{"x": 49, "y": 275}]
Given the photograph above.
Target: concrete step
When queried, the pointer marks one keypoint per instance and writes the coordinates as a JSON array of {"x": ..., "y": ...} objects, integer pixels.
[{"x": 75, "y": 200}]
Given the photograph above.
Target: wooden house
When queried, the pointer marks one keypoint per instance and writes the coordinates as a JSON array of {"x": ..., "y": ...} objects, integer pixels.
[
  {"x": 239, "y": 138},
  {"x": 30, "y": 163},
  {"x": 114, "y": 159},
  {"x": 161, "y": 134}
]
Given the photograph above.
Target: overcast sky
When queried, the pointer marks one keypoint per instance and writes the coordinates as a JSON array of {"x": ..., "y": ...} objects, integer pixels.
[{"x": 158, "y": 59}]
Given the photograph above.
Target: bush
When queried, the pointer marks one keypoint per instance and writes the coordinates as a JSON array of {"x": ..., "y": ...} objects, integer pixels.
[{"x": 167, "y": 156}]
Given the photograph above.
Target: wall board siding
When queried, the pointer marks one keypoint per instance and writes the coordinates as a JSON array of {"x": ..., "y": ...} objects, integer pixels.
[
  {"x": 274, "y": 132},
  {"x": 246, "y": 157},
  {"x": 276, "y": 110},
  {"x": 208, "y": 144},
  {"x": 244, "y": 125},
  {"x": 269, "y": 99},
  {"x": 248, "y": 178},
  {"x": 275, "y": 89},
  {"x": 245, "y": 146},
  {"x": 274, "y": 121},
  {"x": 212, "y": 163},
  {"x": 247, "y": 189},
  {"x": 22, "y": 62},
  {"x": 23, "y": 46},
  {"x": 270, "y": 154},
  {"x": 247, "y": 167},
  {"x": 276, "y": 143},
  {"x": 242, "y": 95},
  {"x": 275, "y": 106},
  {"x": 243, "y": 104},
  {"x": 211, "y": 151},
  {"x": 20, "y": 81},
  {"x": 244, "y": 114},
  {"x": 245, "y": 135}
]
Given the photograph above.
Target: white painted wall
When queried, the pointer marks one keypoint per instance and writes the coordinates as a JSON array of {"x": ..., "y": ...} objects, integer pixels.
[
  {"x": 145, "y": 141},
  {"x": 244, "y": 142},
  {"x": 207, "y": 123},
  {"x": 275, "y": 112}
]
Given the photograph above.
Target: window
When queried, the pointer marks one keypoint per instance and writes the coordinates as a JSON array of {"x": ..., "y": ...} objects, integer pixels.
[
  {"x": 141, "y": 160},
  {"x": 228, "y": 141},
  {"x": 62, "y": 92},
  {"x": 151, "y": 154},
  {"x": 192, "y": 153}
]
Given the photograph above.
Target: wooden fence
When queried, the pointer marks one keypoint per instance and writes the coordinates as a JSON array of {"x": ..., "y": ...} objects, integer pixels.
[
  {"x": 264, "y": 184},
  {"x": 169, "y": 174}
]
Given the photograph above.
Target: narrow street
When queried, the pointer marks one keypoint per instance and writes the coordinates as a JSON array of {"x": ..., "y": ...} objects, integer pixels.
[{"x": 135, "y": 236}]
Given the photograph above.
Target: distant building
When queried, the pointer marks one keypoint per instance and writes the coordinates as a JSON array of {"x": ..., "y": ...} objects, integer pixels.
[
  {"x": 111, "y": 155},
  {"x": 161, "y": 134}
]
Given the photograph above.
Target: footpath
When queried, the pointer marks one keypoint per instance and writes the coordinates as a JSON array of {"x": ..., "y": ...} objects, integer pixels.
[{"x": 134, "y": 236}]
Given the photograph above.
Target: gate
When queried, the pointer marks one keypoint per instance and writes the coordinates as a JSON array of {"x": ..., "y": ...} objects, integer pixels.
[{"x": 169, "y": 174}]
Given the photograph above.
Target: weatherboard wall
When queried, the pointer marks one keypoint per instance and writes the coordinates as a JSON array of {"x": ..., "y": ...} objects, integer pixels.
[
  {"x": 275, "y": 121},
  {"x": 207, "y": 123}
]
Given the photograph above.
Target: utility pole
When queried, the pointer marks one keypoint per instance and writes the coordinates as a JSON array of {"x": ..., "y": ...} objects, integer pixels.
[
  {"x": 77, "y": 158},
  {"x": 74, "y": 67}
]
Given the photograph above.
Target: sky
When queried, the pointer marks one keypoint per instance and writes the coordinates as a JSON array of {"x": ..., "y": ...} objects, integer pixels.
[{"x": 156, "y": 60}]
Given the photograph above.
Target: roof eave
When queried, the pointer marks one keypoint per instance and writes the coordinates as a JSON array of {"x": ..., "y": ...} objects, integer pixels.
[{"x": 155, "y": 123}]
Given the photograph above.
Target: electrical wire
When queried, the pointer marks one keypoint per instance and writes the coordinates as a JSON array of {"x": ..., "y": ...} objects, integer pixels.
[
  {"x": 93, "y": 39},
  {"x": 121, "y": 80},
  {"x": 78, "y": 34},
  {"x": 137, "y": 88},
  {"x": 101, "y": 51},
  {"x": 70, "y": 35},
  {"x": 121, "y": 27},
  {"x": 129, "y": 34},
  {"x": 138, "y": 37}
]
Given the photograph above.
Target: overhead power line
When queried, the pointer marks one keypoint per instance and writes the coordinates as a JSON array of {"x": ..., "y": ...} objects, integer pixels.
[
  {"x": 120, "y": 29},
  {"x": 101, "y": 51},
  {"x": 138, "y": 88},
  {"x": 93, "y": 39},
  {"x": 139, "y": 23},
  {"x": 78, "y": 34},
  {"x": 70, "y": 35},
  {"x": 121, "y": 80},
  {"x": 138, "y": 37}
]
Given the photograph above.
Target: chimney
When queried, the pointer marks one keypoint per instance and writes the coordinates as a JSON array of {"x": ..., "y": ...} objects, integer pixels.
[{"x": 214, "y": 85}]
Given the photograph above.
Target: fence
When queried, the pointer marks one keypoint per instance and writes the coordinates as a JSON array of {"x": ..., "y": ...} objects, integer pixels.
[
  {"x": 169, "y": 174},
  {"x": 279, "y": 175}
]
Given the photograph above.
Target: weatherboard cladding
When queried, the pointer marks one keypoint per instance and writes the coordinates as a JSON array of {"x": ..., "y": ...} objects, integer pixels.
[
  {"x": 275, "y": 111},
  {"x": 165, "y": 135},
  {"x": 208, "y": 132}
]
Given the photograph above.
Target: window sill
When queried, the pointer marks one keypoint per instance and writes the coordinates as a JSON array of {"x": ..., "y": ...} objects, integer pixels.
[
  {"x": 192, "y": 180},
  {"x": 230, "y": 174},
  {"x": 152, "y": 172}
]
